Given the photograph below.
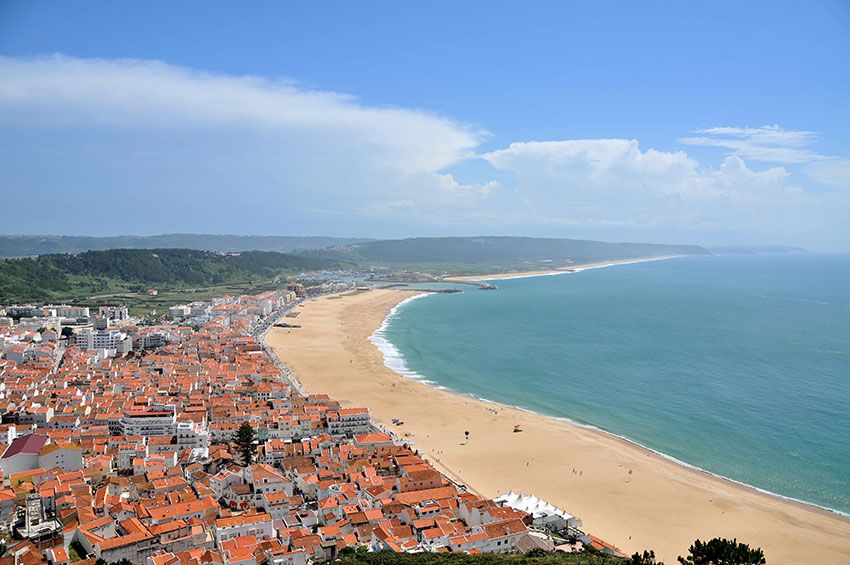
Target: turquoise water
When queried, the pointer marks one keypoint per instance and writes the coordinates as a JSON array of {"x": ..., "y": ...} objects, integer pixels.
[{"x": 739, "y": 365}]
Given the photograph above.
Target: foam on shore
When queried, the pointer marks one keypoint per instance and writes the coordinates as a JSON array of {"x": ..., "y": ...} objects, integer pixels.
[{"x": 393, "y": 358}]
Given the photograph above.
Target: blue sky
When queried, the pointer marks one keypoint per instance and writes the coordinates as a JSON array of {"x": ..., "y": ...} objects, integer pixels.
[{"x": 714, "y": 123}]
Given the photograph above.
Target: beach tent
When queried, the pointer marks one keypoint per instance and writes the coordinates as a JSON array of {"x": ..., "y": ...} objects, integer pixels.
[{"x": 545, "y": 515}]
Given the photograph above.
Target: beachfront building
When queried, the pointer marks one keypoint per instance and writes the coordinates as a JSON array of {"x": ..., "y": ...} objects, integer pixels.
[{"x": 349, "y": 421}]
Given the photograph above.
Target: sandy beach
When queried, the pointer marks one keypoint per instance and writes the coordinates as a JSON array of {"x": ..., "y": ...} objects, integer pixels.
[
  {"x": 570, "y": 268},
  {"x": 627, "y": 495}
]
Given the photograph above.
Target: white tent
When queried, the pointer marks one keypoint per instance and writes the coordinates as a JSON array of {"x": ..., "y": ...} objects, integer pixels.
[{"x": 543, "y": 513}]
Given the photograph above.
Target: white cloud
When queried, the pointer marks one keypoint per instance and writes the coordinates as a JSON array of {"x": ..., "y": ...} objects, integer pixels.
[
  {"x": 774, "y": 144},
  {"x": 764, "y": 135},
  {"x": 766, "y": 143},
  {"x": 182, "y": 150},
  {"x": 67, "y": 91},
  {"x": 614, "y": 182},
  {"x": 832, "y": 172},
  {"x": 440, "y": 199}
]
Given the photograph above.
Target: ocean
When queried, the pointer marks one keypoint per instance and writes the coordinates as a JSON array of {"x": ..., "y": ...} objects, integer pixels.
[{"x": 737, "y": 364}]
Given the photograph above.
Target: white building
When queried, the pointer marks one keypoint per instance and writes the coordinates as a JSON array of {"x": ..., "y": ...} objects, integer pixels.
[
  {"x": 259, "y": 525},
  {"x": 66, "y": 311},
  {"x": 114, "y": 313},
  {"x": 66, "y": 456},
  {"x": 158, "y": 421},
  {"x": 22, "y": 454},
  {"x": 115, "y": 342},
  {"x": 200, "y": 309},
  {"x": 349, "y": 421},
  {"x": 180, "y": 311},
  {"x": 192, "y": 436}
]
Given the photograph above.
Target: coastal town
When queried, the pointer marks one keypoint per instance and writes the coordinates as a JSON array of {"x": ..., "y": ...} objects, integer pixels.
[{"x": 123, "y": 441}]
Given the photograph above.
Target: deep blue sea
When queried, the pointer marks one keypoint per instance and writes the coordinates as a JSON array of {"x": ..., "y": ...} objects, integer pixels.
[{"x": 739, "y": 365}]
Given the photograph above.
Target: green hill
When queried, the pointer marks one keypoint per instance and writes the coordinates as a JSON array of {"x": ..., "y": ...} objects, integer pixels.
[{"x": 57, "y": 276}]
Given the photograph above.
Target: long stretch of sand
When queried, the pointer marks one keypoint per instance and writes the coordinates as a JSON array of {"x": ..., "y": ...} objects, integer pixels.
[
  {"x": 569, "y": 268},
  {"x": 624, "y": 494}
]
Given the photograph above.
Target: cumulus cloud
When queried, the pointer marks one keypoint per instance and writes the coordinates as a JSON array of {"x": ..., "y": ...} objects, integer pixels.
[{"x": 614, "y": 182}]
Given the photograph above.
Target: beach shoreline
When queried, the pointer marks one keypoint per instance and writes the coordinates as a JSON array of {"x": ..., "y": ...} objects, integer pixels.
[
  {"x": 389, "y": 351},
  {"x": 629, "y": 494},
  {"x": 564, "y": 270}
]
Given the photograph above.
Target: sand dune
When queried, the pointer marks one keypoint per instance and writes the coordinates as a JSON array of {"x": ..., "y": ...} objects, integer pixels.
[{"x": 624, "y": 494}]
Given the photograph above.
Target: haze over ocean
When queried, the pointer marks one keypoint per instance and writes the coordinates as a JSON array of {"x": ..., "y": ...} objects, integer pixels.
[{"x": 739, "y": 365}]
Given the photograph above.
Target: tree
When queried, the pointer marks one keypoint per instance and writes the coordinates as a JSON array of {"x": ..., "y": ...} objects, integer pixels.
[
  {"x": 245, "y": 437},
  {"x": 721, "y": 551},
  {"x": 647, "y": 558}
]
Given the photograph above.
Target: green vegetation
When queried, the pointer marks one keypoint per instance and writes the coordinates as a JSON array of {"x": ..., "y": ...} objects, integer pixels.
[
  {"x": 32, "y": 245},
  {"x": 715, "y": 552},
  {"x": 721, "y": 551},
  {"x": 244, "y": 441},
  {"x": 533, "y": 558},
  {"x": 123, "y": 273},
  {"x": 480, "y": 255},
  {"x": 123, "y": 276},
  {"x": 76, "y": 552},
  {"x": 645, "y": 558}
]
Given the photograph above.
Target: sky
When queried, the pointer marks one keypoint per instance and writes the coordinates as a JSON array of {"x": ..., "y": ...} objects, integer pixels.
[{"x": 710, "y": 123}]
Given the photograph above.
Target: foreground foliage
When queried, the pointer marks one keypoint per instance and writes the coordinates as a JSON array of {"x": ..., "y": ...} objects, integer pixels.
[
  {"x": 717, "y": 551},
  {"x": 721, "y": 551},
  {"x": 534, "y": 558}
]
